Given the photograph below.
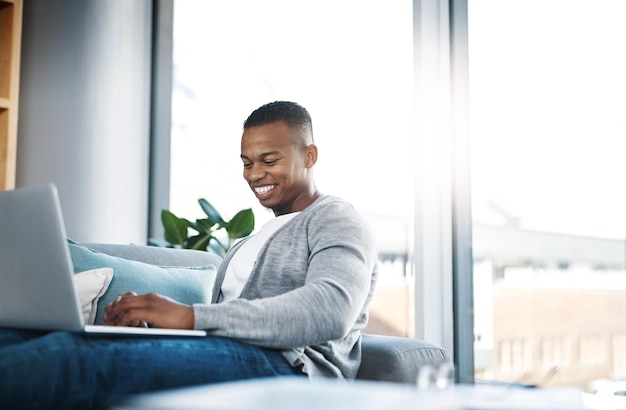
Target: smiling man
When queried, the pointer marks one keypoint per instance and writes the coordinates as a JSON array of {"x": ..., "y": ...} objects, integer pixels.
[{"x": 290, "y": 300}]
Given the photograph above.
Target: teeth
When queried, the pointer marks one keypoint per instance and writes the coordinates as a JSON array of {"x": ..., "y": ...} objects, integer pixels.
[{"x": 263, "y": 189}]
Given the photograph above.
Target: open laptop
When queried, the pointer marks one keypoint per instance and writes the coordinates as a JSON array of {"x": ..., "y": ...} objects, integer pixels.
[{"x": 37, "y": 289}]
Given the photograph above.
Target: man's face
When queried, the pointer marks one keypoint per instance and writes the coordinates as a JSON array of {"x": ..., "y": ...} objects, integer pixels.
[{"x": 277, "y": 166}]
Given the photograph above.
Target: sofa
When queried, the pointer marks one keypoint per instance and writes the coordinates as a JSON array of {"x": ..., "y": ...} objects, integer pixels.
[{"x": 385, "y": 358}]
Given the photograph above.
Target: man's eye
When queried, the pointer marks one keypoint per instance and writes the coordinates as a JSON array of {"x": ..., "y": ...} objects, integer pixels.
[
  {"x": 247, "y": 164},
  {"x": 269, "y": 162}
]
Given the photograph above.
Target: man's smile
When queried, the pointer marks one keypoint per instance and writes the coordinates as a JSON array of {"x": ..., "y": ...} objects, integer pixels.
[{"x": 262, "y": 190}]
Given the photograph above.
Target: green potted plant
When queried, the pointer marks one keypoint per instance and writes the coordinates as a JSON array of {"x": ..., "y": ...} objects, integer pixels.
[{"x": 207, "y": 230}]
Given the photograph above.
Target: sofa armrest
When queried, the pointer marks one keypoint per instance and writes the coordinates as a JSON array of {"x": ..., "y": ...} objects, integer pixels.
[{"x": 397, "y": 359}]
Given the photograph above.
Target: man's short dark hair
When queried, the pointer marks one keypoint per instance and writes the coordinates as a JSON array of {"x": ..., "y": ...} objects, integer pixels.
[{"x": 293, "y": 114}]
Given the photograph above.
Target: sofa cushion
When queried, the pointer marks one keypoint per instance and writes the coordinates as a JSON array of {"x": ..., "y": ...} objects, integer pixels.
[{"x": 187, "y": 285}]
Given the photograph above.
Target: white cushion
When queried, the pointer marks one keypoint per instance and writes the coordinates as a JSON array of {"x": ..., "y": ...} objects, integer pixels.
[{"x": 91, "y": 285}]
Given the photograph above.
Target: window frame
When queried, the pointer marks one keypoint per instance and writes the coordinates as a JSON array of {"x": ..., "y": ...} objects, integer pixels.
[{"x": 443, "y": 234}]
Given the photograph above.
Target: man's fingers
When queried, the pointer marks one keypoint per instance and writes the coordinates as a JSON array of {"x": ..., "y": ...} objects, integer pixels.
[
  {"x": 138, "y": 323},
  {"x": 123, "y": 310},
  {"x": 132, "y": 318}
]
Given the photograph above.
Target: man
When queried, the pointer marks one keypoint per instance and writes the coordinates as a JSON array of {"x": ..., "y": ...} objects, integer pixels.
[{"x": 290, "y": 300}]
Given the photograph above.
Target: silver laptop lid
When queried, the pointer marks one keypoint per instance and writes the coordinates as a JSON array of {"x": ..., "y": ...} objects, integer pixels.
[{"x": 37, "y": 290}]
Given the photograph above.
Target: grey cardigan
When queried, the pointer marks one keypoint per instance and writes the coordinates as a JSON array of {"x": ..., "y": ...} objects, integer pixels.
[{"x": 308, "y": 292}]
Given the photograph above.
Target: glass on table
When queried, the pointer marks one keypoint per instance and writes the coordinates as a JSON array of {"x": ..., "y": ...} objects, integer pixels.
[{"x": 435, "y": 377}]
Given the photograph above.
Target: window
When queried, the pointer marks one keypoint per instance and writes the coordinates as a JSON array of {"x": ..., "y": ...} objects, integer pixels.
[
  {"x": 619, "y": 356},
  {"x": 547, "y": 97},
  {"x": 350, "y": 63},
  {"x": 554, "y": 353},
  {"x": 592, "y": 350},
  {"x": 515, "y": 357}
]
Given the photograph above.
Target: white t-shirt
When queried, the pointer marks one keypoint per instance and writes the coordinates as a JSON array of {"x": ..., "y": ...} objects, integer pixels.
[{"x": 240, "y": 266}]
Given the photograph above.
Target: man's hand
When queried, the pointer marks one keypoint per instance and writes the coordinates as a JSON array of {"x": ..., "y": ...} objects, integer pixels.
[{"x": 131, "y": 309}]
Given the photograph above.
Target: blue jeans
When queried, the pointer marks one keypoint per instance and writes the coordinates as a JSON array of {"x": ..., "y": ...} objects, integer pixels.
[{"x": 62, "y": 370}]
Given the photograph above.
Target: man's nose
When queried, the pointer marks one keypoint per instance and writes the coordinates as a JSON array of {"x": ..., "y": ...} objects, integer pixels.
[{"x": 255, "y": 172}]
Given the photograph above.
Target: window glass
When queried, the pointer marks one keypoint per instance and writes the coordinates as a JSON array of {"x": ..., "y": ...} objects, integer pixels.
[
  {"x": 350, "y": 63},
  {"x": 547, "y": 125}
]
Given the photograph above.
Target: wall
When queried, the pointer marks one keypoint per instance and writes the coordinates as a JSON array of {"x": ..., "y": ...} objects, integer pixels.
[{"x": 85, "y": 112}]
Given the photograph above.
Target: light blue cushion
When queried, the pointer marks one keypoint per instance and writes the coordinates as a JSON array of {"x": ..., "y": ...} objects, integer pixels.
[{"x": 187, "y": 285}]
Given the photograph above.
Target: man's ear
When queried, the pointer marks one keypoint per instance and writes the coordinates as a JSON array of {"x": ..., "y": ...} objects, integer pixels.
[{"x": 311, "y": 155}]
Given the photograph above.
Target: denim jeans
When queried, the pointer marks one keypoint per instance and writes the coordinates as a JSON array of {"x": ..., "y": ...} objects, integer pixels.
[{"x": 62, "y": 370}]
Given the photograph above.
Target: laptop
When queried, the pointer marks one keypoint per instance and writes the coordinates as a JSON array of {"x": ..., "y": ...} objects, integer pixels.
[{"x": 37, "y": 289}]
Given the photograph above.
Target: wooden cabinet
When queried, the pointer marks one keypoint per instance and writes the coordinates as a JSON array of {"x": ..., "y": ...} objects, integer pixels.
[{"x": 10, "y": 41}]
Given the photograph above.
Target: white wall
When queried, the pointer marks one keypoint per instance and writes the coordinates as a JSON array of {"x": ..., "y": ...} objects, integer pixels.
[{"x": 85, "y": 111}]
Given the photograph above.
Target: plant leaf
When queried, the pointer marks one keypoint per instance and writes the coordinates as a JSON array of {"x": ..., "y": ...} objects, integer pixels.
[
  {"x": 199, "y": 242},
  {"x": 175, "y": 228},
  {"x": 241, "y": 225},
  {"x": 211, "y": 212},
  {"x": 204, "y": 225}
]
